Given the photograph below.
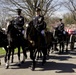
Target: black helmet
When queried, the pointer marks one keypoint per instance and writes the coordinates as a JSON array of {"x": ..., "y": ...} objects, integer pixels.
[
  {"x": 19, "y": 10},
  {"x": 38, "y": 9},
  {"x": 60, "y": 19}
]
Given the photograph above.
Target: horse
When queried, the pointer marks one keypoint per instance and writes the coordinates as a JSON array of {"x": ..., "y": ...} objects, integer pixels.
[
  {"x": 49, "y": 40},
  {"x": 8, "y": 39},
  {"x": 66, "y": 40},
  {"x": 4, "y": 41},
  {"x": 49, "y": 43},
  {"x": 63, "y": 38},
  {"x": 38, "y": 43},
  {"x": 16, "y": 39}
]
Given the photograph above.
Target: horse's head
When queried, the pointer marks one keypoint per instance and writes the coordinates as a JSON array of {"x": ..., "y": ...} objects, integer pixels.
[
  {"x": 3, "y": 36},
  {"x": 13, "y": 30},
  {"x": 31, "y": 31}
]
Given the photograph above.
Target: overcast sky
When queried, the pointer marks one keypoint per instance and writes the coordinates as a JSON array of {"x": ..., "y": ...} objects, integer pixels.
[
  {"x": 58, "y": 13},
  {"x": 61, "y": 12}
]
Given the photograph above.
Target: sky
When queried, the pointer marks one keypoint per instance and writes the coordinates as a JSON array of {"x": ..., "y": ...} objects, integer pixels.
[
  {"x": 58, "y": 13},
  {"x": 61, "y": 12}
]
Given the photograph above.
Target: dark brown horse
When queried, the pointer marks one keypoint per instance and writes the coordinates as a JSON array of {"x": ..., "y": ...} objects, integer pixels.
[
  {"x": 35, "y": 36},
  {"x": 16, "y": 40},
  {"x": 62, "y": 38},
  {"x": 4, "y": 42}
]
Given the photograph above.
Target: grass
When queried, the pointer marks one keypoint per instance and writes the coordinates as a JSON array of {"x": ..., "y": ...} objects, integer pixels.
[{"x": 2, "y": 51}]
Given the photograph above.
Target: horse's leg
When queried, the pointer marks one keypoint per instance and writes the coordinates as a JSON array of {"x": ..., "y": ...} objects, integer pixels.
[
  {"x": 24, "y": 54},
  {"x": 48, "y": 52},
  {"x": 33, "y": 53},
  {"x": 66, "y": 47},
  {"x": 9, "y": 53},
  {"x": 19, "y": 54},
  {"x": 67, "y": 42},
  {"x": 12, "y": 55},
  {"x": 38, "y": 55},
  {"x": 49, "y": 47},
  {"x": 55, "y": 46},
  {"x": 62, "y": 47},
  {"x": 6, "y": 50},
  {"x": 34, "y": 62},
  {"x": 44, "y": 55}
]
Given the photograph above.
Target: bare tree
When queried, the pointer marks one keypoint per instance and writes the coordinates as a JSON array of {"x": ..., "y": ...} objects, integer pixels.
[
  {"x": 71, "y": 6},
  {"x": 3, "y": 16},
  {"x": 29, "y": 6}
]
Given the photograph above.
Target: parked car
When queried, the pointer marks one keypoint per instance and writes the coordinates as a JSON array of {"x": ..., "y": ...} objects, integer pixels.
[
  {"x": 73, "y": 32},
  {"x": 69, "y": 31}
]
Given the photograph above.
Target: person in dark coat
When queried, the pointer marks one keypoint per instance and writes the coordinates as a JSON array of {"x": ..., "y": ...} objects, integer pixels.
[
  {"x": 39, "y": 23},
  {"x": 61, "y": 25},
  {"x": 19, "y": 20}
]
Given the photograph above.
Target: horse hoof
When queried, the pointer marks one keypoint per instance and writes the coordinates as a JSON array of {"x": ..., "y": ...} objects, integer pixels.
[
  {"x": 43, "y": 63},
  {"x": 26, "y": 56},
  {"x": 56, "y": 49},
  {"x": 19, "y": 64},
  {"x": 22, "y": 62},
  {"x": 37, "y": 58},
  {"x": 11, "y": 61},
  {"x": 60, "y": 52},
  {"x": 33, "y": 68},
  {"x": 66, "y": 51},
  {"x": 5, "y": 60},
  {"x": 7, "y": 67}
]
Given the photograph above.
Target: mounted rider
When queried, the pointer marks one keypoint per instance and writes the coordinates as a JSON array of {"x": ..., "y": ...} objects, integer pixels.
[
  {"x": 61, "y": 26},
  {"x": 39, "y": 23},
  {"x": 17, "y": 22}
]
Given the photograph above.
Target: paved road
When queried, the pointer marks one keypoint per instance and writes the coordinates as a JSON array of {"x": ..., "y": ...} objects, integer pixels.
[{"x": 56, "y": 65}]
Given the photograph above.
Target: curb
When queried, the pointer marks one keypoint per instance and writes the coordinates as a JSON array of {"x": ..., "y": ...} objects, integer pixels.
[{"x": 2, "y": 56}]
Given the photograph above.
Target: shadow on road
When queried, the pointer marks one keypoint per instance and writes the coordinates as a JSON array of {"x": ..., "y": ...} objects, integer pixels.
[
  {"x": 24, "y": 65},
  {"x": 59, "y": 67},
  {"x": 73, "y": 52},
  {"x": 60, "y": 57}
]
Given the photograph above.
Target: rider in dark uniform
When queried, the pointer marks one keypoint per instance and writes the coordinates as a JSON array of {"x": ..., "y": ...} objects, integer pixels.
[
  {"x": 38, "y": 20},
  {"x": 19, "y": 20},
  {"x": 39, "y": 23},
  {"x": 60, "y": 32},
  {"x": 61, "y": 26}
]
